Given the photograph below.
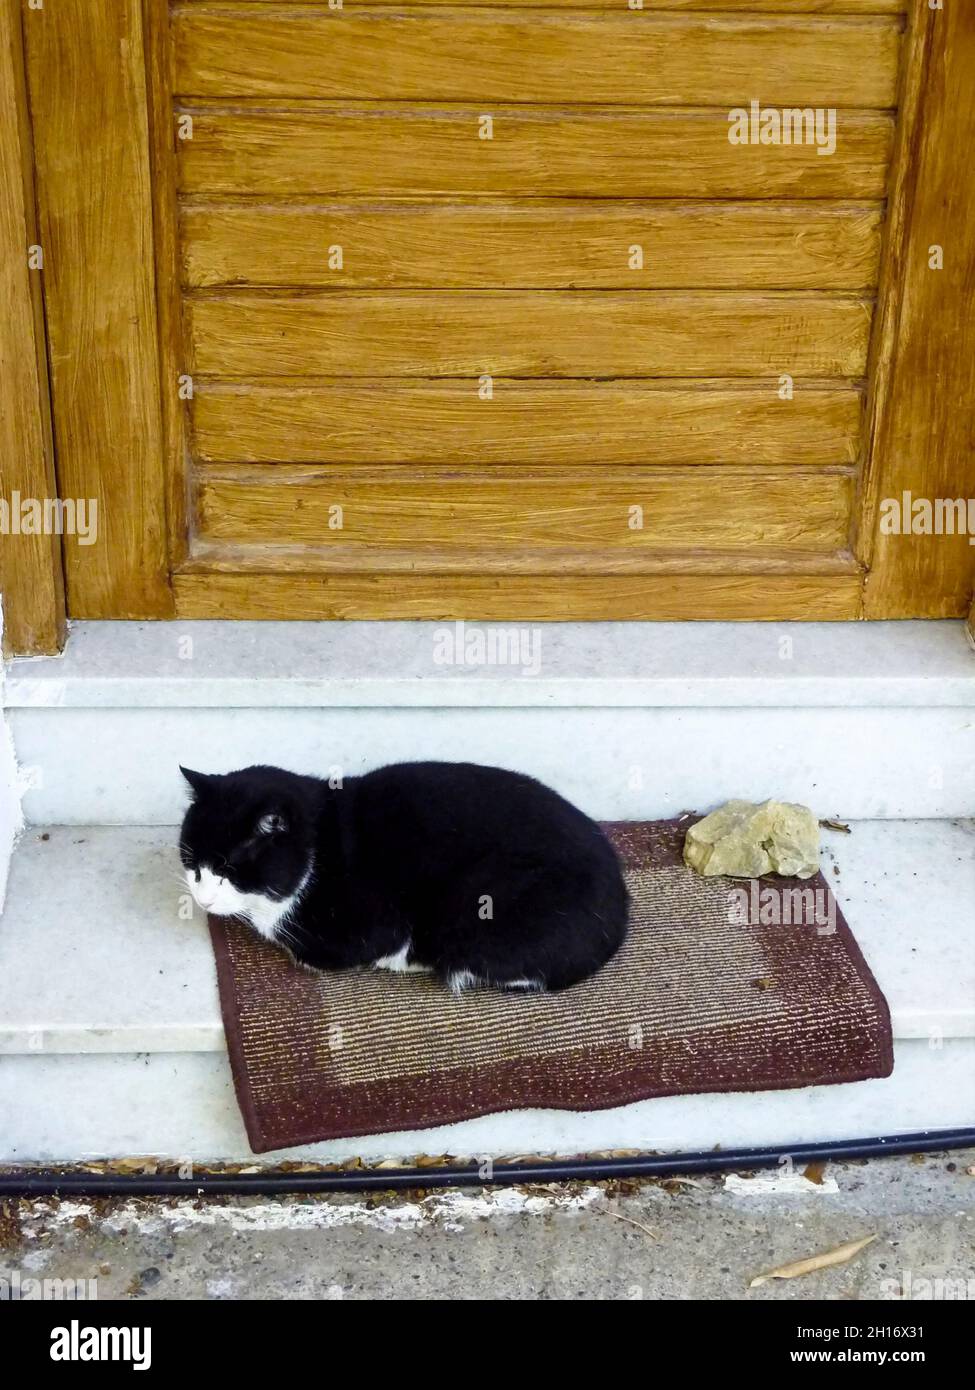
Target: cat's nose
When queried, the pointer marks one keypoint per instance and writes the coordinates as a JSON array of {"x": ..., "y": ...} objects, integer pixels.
[{"x": 206, "y": 897}]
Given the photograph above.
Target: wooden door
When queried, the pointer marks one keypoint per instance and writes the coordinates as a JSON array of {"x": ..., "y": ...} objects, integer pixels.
[{"x": 450, "y": 310}]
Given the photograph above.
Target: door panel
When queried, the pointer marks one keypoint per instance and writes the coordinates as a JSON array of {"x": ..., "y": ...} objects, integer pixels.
[
  {"x": 475, "y": 310},
  {"x": 600, "y": 413}
]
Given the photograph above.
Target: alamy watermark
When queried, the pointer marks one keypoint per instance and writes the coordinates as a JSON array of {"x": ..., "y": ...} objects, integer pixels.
[
  {"x": 16, "y": 1287},
  {"x": 908, "y": 515},
  {"x": 50, "y": 516},
  {"x": 756, "y": 124},
  {"x": 929, "y": 1285},
  {"x": 463, "y": 644},
  {"x": 759, "y": 904},
  {"x": 78, "y": 1343}
]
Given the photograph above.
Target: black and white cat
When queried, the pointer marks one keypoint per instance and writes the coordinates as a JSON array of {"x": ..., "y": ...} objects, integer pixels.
[{"x": 484, "y": 876}]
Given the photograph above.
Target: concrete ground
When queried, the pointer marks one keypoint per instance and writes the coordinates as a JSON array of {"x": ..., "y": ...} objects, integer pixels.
[{"x": 666, "y": 1239}]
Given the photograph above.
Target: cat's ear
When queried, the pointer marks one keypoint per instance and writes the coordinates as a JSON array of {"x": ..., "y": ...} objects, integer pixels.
[
  {"x": 273, "y": 823},
  {"x": 197, "y": 780}
]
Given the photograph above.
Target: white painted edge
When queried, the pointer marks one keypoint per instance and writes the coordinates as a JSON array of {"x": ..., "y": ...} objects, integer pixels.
[
  {"x": 616, "y": 692},
  {"x": 18, "y": 1041},
  {"x": 11, "y": 813},
  {"x": 453, "y": 1208},
  {"x": 782, "y": 1182}
]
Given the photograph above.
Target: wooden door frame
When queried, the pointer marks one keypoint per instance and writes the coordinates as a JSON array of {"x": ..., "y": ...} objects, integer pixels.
[
  {"x": 31, "y": 579},
  {"x": 922, "y": 409},
  {"x": 94, "y": 190},
  {"x": 118, "y": 422}
]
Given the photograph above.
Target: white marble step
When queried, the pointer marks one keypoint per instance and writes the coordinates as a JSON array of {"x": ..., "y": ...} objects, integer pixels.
[
  {"x": 181, "y": 1105},
  {"x": 869, "y": 720},
  {"x": 111, "y": 1042},
  {"x": 428, "y": 664},
  {"x": 95, "y": 957}
]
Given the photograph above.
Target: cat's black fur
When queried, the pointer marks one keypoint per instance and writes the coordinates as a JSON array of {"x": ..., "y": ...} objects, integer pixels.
[{"x": 416, "y": 852}]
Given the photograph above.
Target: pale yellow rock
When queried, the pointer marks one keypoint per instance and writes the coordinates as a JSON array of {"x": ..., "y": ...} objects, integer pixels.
[{"x": 746, "y": 839}]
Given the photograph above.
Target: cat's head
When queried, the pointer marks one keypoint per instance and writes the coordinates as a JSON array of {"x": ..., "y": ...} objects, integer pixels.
[{"x": 247, "y": 841}]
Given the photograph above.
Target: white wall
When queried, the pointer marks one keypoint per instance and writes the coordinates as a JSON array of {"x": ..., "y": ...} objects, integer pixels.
[{"x": 11, "y": 819}]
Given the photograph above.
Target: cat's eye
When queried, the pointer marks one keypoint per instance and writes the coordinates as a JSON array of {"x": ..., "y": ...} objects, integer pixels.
[{"x": 271, "y": 824}]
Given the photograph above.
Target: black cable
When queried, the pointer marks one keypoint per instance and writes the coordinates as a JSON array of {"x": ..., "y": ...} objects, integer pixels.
[{"x": 48, "y": 1182}]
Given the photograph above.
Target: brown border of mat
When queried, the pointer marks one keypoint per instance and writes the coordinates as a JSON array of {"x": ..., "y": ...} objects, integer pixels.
[{"x": 512, "y": 1087}]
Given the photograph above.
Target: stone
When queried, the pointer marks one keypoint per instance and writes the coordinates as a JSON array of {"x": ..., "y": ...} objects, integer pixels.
[{"x": 746, "y": 839}]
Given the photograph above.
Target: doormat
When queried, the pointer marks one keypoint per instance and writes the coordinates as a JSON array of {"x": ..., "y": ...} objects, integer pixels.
[{"x": 723, "y": 985}]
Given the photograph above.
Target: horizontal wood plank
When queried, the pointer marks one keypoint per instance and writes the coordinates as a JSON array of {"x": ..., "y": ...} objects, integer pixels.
[
  {"x": 852, "y": 7},
  {"x": 536, "y": 422},
  {"x": 541, "y": 245},
  {"x": 516, "y": 598},
  {"x": 422, "y": 54},
  {"x": 262, "y": 557},
  {"x": 400, "y": 149},
  {"x": 508, "y": 510},
  {"x": 526, "y": 333}
]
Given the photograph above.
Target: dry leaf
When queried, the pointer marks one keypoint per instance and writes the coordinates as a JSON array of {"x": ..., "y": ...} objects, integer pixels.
[
  {"x": 826, "y": 1260},
  {"x": 814, "y": 1172},
  {"x": 676, "y": 1185},
  {"x": 836, "y": 825},
  {"x": 145, "y": 1166},
  {"x": 11, "y": 1234}
]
